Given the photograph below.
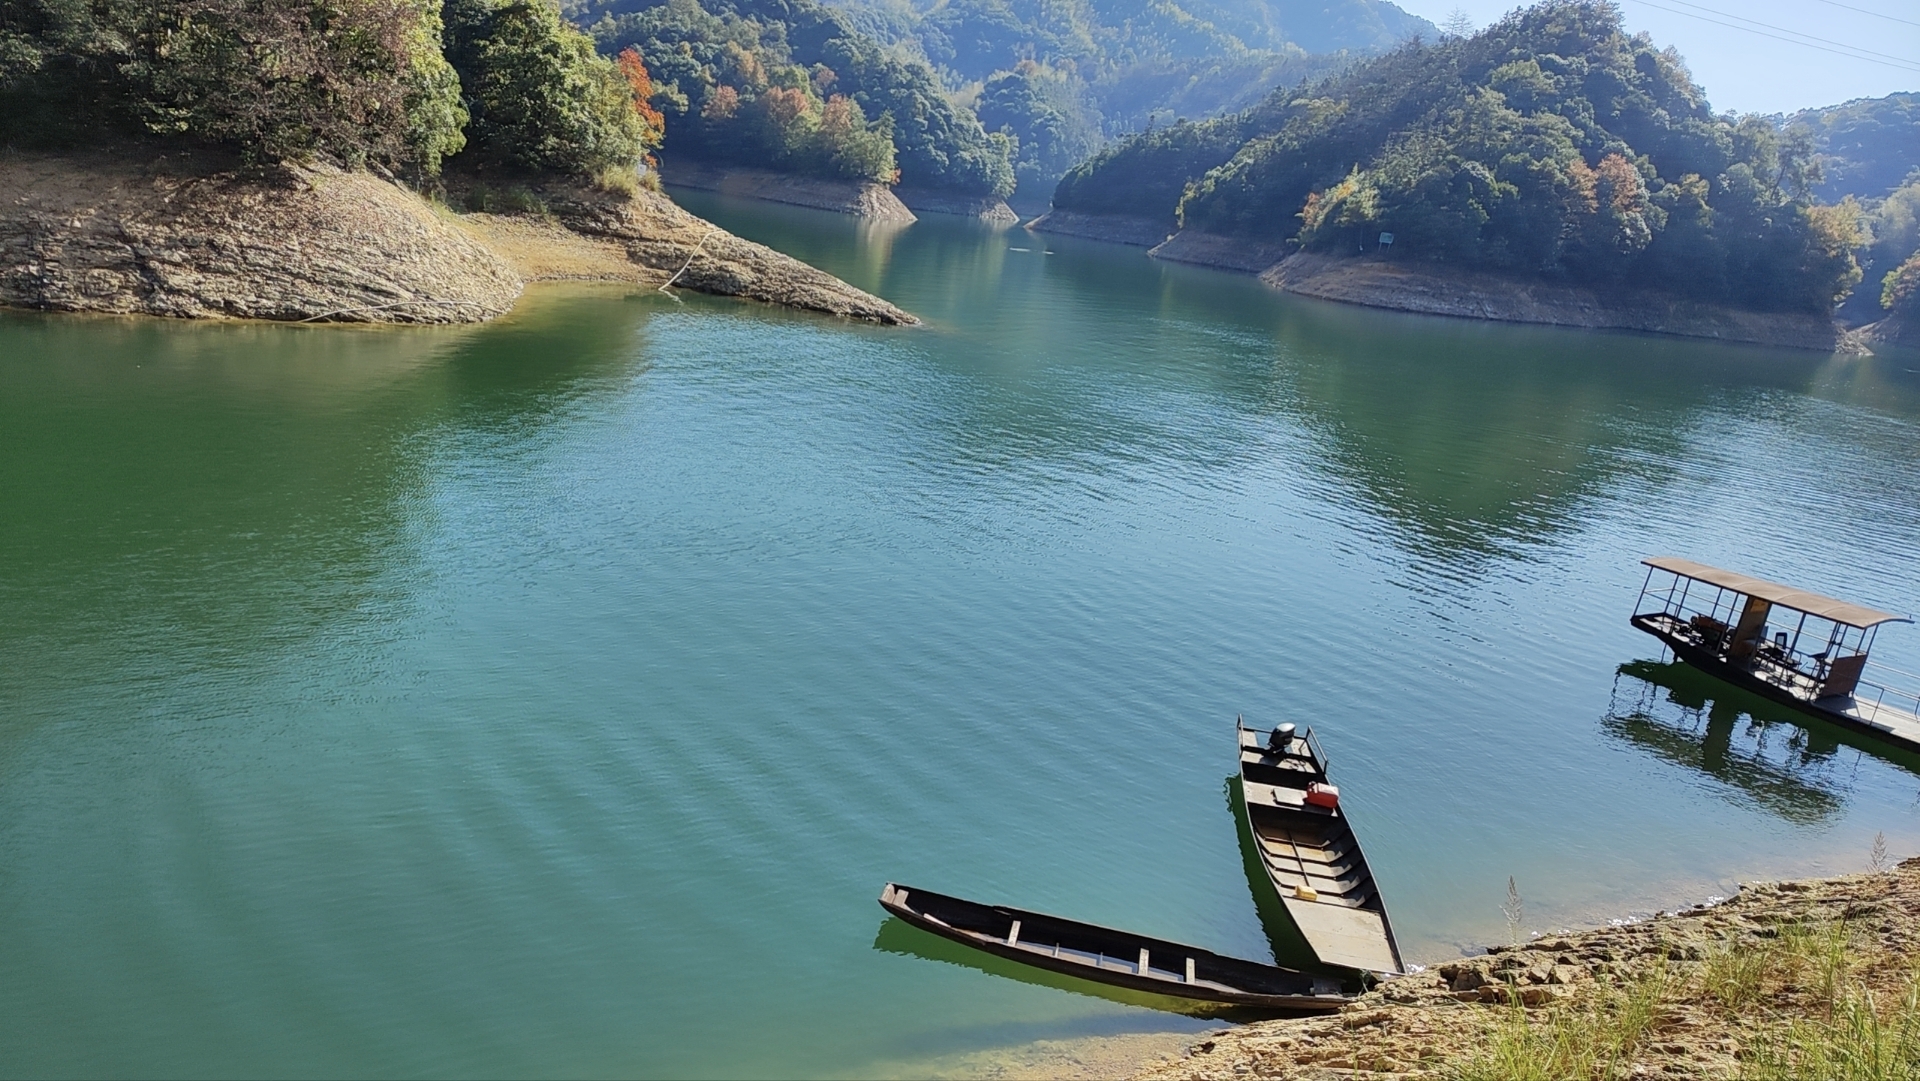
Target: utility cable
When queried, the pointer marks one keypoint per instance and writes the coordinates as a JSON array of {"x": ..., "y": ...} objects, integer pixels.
[
  {"x": 1902, "y": 65},
  {"x": 1875, "y": 14},
  {"x": 1784, "y": 30}
]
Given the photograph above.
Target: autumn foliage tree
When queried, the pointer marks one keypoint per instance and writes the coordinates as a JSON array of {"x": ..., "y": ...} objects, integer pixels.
[{"x": 653, "y": 123}]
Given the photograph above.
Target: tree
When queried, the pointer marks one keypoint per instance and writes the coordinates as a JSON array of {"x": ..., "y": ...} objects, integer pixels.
[
  {"x": 1458, "y": 24},
  {"x": 653, "y": 124},
  {"x": 726, "y": 73},
  {"x": 357, "y": 80},
  {"x": 540, "y": 97}
]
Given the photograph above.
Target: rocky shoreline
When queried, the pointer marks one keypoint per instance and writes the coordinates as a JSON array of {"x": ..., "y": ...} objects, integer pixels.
[
  {"x": 873, "y": 201},
  {"x": 316, "y": 243},
  {"x": 1414, "y": 287},
  {"x": 986, "y": 208},
  {"x": 1757, "y": 985},
  {"x": 1404, "y": 285}
]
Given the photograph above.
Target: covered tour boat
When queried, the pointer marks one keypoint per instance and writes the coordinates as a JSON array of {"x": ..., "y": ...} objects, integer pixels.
[
  {"x": 1796, "y": 647},
  {"x": 1309, "y": 851}
]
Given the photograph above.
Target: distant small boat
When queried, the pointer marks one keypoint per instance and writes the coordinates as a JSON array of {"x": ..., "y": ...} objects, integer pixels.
[
  {"x": 1118, "y": 958},
  {"x": 1310, "y": 853}
]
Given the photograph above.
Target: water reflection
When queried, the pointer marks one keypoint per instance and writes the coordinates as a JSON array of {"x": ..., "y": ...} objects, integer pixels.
[
  {"x": 1486, "y": 440},
  {"x": 1289, "y": 946},
  {"x": 1779, "y": 760},
  {"x": 193, "y": 485}
]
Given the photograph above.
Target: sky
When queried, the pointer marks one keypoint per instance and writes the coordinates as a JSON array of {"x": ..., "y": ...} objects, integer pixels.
[{"x": 1746, "y": 71}]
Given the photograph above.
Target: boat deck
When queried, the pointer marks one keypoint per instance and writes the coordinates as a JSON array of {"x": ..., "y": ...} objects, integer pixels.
[
  {"x": 1895, "y": 724},
  {"x": 1312, "y": 857},
  {"x": 1866, "y": 710}
]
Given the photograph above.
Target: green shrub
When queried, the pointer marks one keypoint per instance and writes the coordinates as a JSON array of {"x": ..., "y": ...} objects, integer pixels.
[{"x": 357, "y": 80}]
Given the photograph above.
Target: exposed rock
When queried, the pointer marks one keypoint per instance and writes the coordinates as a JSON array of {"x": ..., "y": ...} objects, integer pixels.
[
  {"x": 104, "y": 236},
  {"x": 1897, "y": 329},
  {"x": 1224, "y": 252},
  {"x": 697, "y": 254},
  {"x": 868, "y": 199},
  {"x": 1430, "y": 289},
  {"x": 317, "y": 243},
  {"x": 1433, "y": 290},
  {"x": 1142, "y": 232}
]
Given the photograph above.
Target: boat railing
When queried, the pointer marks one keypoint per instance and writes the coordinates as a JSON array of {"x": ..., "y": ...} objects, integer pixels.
[
  {"x": 1904, "y": 701},
  {"x": 1313, "y": 745}
]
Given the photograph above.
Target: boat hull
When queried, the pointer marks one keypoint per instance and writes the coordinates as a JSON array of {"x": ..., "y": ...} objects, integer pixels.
[
  {"x": 1339, "y": 916},
  {"x": 986, "y": 928},
  {"x": 1718, "y": 667}
]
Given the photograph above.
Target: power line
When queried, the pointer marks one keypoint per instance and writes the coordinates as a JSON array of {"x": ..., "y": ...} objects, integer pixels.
[
  {"x": 1875, "y": 14},
  {"x": 1784, "y": 30},
  {"x": 1902, "y": 65}
]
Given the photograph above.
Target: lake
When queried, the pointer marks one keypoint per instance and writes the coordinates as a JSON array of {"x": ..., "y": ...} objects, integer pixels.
[{"x": 554, "y": 697}]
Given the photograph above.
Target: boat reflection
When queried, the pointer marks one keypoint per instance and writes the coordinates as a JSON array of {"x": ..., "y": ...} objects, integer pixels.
[
  {"x": 898, "y": 936},
  {"x": 1767, "y": 754}
]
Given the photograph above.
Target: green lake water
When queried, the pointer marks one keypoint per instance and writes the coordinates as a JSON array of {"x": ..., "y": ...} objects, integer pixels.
[{"x": 554, "y": 697}]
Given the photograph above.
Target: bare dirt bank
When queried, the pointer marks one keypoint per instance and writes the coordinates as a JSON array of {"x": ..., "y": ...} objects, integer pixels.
[
  {"x": 1897, "y": 329},
  {"x": 1406, "y": 285},
  {"x": 1770, "y": 984},
  {"x": 1416, "y": 288},
  {"x": 314, "y": 243},
  {"x": 876, "y": 202},
  {"x": 987, "y": 208},
  {"x": 1141, "y": 232}
]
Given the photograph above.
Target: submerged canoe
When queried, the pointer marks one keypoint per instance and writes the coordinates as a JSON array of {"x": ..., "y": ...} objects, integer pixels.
[
  {"x": 1104, "y": 955},
  {"x": 1310, "y": 853}
]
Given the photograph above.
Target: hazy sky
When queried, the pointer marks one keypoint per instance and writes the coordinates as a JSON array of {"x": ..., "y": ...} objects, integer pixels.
[{"x": 1745, "y": 71}]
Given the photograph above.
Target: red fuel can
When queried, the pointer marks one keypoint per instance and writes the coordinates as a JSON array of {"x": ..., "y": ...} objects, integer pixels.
[{"x": 1323, "y": 795}]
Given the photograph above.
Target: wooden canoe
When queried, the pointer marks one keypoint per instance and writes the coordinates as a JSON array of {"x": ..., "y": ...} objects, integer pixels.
[
  {"x": 1311, "y": 856},
  {"x": 1104, "y": 955}
]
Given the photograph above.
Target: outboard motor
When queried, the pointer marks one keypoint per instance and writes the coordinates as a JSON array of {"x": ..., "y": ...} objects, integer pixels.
[{"x": 1281, "y": 739}]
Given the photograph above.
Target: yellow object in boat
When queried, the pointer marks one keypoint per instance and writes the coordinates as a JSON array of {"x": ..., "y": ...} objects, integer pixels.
[{"x": 1306, "y": 893}]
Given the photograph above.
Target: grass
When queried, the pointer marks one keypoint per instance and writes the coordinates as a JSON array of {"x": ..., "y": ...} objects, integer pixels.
[
  {"x": 1860, "y": 1039},
  {"x": 1799, "y": 1000},
  {"x": 513, "y": 200},
  {"x": 621, "y": 180},
  {"x": 1596, "y": 1041}
]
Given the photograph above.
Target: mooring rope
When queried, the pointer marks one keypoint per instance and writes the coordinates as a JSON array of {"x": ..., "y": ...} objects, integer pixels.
[{"x": 711, "y": 229}]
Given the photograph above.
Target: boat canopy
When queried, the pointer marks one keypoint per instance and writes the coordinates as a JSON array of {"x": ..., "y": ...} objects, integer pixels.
[{"x": 1800, "y": 600}]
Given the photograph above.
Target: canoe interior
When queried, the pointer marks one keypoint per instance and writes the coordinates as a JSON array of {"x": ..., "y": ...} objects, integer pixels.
[
  {"x": 1111, "y": 956},
  {"x": 1312, "y": 858}
]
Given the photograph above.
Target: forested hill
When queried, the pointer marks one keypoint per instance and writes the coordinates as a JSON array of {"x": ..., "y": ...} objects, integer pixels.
[
  {"x": 791, "y": 85},
  {"x": 1063, "y": 76},
  {"x": 1866, "y": 148},
  {"x": 751, "y": 81},
  {"x": 1551, "y": 145}
]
